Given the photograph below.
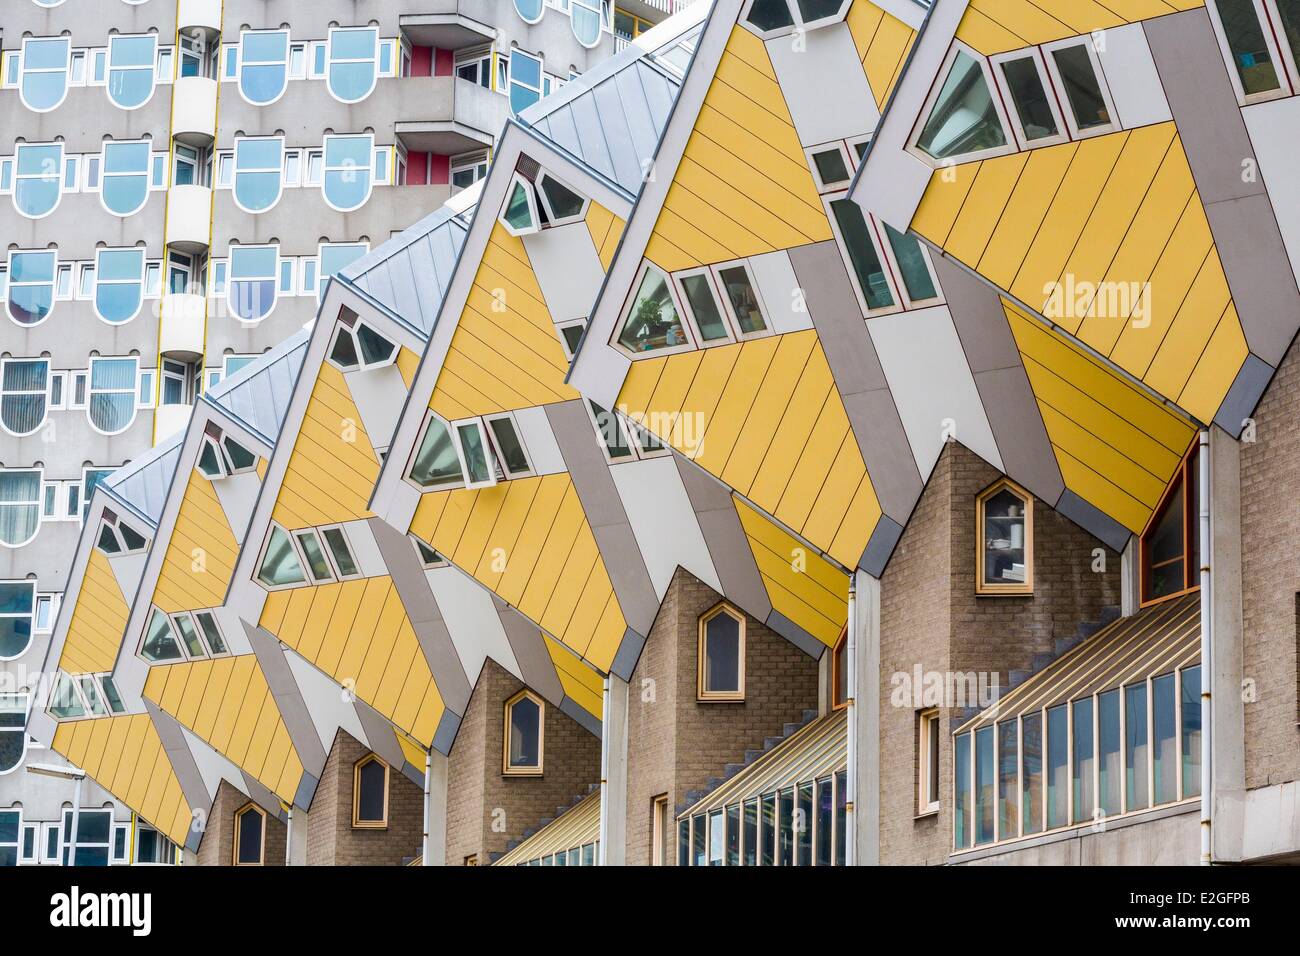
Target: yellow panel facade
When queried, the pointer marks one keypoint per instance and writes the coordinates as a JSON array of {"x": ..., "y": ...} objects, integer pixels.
[
  {"x": 883, "y": 42},
  {"x": 201, "y": 552},
  {"x": 98, "y": 622},
  {"x": 994, "y": 26},
  {"x": 579, "y": 681}
]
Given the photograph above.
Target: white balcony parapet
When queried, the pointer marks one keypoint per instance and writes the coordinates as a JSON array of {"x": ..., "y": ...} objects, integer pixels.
[
  {"x": 189, "y": 217},
  {"x": 194, "y": 110},
  {"x": 180, "y": 327}
]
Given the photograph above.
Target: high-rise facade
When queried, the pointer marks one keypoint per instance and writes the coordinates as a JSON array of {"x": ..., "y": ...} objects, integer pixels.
[{"x": 178, "y": 178}]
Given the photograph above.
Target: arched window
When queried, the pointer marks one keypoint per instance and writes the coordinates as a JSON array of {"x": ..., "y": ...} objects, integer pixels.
[
  {"x": 348, "y": 168},
  {"x": 125, "y": 184},
  {"x": 44, "y": 72},
  {"x": 1004, "y": 540},
  {"x": 38, "y": 178},
  {"x": 250, "y": 836},
  {"x": 30, "y": 297},
  {"x": 370, "y": 793},
  {"x": 263, "y": 65},
  {"x": 119, "y": 284},
  {"x": 259, "y": 164},
  {"x": 721, "y": 670},
  {"x": 112, "y": 394},
  {"x": 17, "y": 605},
  {"x": 13, "y": 732},
  {"x": 251, "y": 286},
  {"x": 20, "y": 517},
  {"x": 530, "y": 10},
  {"x": 353, "y": 62},
  {"x": 586, "y": 17},
  {"x": 1171, "y": 542},
  {"x": 24, "y": 390},
  {"x": 131, "y": 69},
  {"x": 524, "y": 735}
]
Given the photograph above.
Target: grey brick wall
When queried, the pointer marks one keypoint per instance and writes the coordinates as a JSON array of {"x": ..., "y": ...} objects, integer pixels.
[{"x": 218, "y": 845}]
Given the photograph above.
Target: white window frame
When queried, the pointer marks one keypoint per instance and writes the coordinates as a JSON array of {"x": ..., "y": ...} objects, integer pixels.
[
  {"x": 729, "y": 310},
  {"x": 874, "y": 236},
  {"x": 278, "y": 170},
  {"x": 925, "y": 760},
  {"x": 688, "y": 313},
  {"x": 231, "y": 279},
  {"x": 845, "y": 154},
  {"x": 326, "y": 169},
  {"x": 332, "y": 558},
  {"x": 4, "y": 363},
  {"x": 23, "y": 71},
  {"x": 510, "y": 74},
  {"x": 11, "y": 282},
  {"x": 240, "y": 62},
  {"x": 997, "y": 62},
  {"x": 152, "y": 67},
  {"x": 9, "y": 615},
  {"x": 542, "y": 198},
  {"x": 961, "y": 158},
  {"x": 1054, "y": 72},
  {"x": 687, "y": 324},
  {"x": 18, "y": 175},
  {"x": 488, "y": 452},
  {"x": 134, "y": 391},
  {"x": 102, "y": 174},
  {"x": 99, "y": 279},
  {"x": 896, "y": 279},
  {"x": 331, "y": 61},
  {"x": 1289, "y": 78},
  {"x": 261, "y": 560},
  {"x": 496, "y": 448},
  {"x": 532, "y": 207}
]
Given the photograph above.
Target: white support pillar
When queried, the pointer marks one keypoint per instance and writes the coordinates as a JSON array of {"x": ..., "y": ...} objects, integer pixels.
[
  {"x": 433, "y": 848},
  {"x": 864, "y": 714},
  {"x": 613, "y": 773},
  {"x": 1130, "y": 578},
  {"x": 295, "y": 843}
]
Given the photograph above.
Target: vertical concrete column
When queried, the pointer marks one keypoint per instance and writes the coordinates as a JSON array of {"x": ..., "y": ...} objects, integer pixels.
[
  {"x": 613, "y": 773},
  {"x": 865, "y": 691},
  {"x": 434, "y": 848},
  {"x": 1130, "y": 578},
  {"x": 295, "y": 841},
  {"x": 1228, "y": 728}
]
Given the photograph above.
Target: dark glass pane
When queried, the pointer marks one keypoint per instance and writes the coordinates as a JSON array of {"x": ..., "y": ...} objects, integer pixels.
[
  {"x": 1163, "y": 742},
  {"x": 785, "y": 825},
  {"x": 831, "y": 166},
  {"x": 704, "y": 307},
  {"x": 1108, "y": 753},
  {"x": 862, "y": 254},
  {"x": 767, "y": 830},
  {"x": 1029, "y": 98},
  {"x": 825, "y": 822},
  {"x": 250, "y": 837},
  {"x": 750, "y": 828},
  {"x": 805, "y": 824},
  {"x": 371, "y": 792},
  {"x": 1081, "y": 771},
  {"x": 1081, "y": 86},
  {"x": 722, "y": 654},
  {"x": 1135, "y": 746},
  {"x": 1058, "y": 768},
  {"x": 525, "y": 733},
  {"x": 1191, "y": 706},
  {"x": 770, "y": 15},
  {"x": 1008, "y": 781},
  {"x": 1245, "y": 35},
  {"x": 841, "y": 816},
  {"x": 733, "y": 835},
  {"x": 984, "y": 785},
  {"x": 699, "y": 827}
]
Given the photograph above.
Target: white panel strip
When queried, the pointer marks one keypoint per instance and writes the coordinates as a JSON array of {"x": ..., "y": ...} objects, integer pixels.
[
  {"x": 238, "y": 496},
  {"x": 379, "y": 394},
  {"x": 824, "y": 85},
  {"x": 779, "y": 287},
  {"x": 1131, "y": 75},
  {"x": 472, "y": 621},
  {"x": 1274, "y": 129},
  {"x": 663, "y": 522},
  {"x": 325, "y": 702},
  {"x": 543, "y": 452},
  {"x": 568, "y": 269},
  {"x": 362, "y": 540}
]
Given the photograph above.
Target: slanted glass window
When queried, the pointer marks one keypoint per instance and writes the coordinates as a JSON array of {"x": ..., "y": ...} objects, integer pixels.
[
  {"x": 436, "y": 460},
  {"x": 767, "y": 15},
  {"x": 194, "y": 648},
  {"x": 702, "y": 305},
  {"x": 259, "y": 163},
  {"x": 65, "y": 704},
  {"x": 742, "y": 298},
  {"x": 868, "y": 270},
  {"x": 211, "y": 632},
  {"x": 611, "y": 434},
  {"x": 653, "y": 322},
  {"x": 353, "y": 62},
  {"x": 524, "y": 723},
  {"x": 585, "y": 16},
  {"x": 525, "y": 80},
  {"x": 119, "y": 284},
  {"x": 250, "y": 836},
  {"x": 314, "y": 554},
  {"x": 347, "y": 179},
  {"x": 24, "y": 387},
  {"x": 131, "y": 69},
  {"x": 474, "y": 453},
  {"x": 30, "y": 294},
  {"x": 251, "y": 283},
  {"x": 519, "y": 214},
  {"x": 126, "y": 177},
  {"x": 964, "y": 118},
  {"x": 1004, "y": 517},
  {"x": 263, "y": 65},
  {"x": 37, "y": 178},
  {"x": 721, "y": 652},
  {"x": 913, "y": 266},
  {"x": 280, "y": 565},
  {"x": 508, "y": 446},
  {"x": 370, "y": 793},
  {"x": 1032, "y": 108},
  {"x": 1250, "y": 51},
  {"x": 43, "y": 74},
  {"x": 1076, "y": 70},
  {"x": 17, "y": 598},
  {"x": 1169, "y": 546},
  {"x": 560, "y": 203},
  {"x": 831, "y": 166},
  {"x": 159, "y": 644},
  {"x": 112, "y": 404},
  {"x": 13, "y": 743},
  {"x": 340, "y": 552},
  {"x": 357, "y": 346}
]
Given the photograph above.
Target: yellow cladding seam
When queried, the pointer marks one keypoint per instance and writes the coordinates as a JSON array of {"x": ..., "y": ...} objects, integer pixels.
[
  {"x": 529, "y": 542},
  {"x": 98, "y": 622},
  {"x": 201, "y": 552},
  {"x": 504, "y": 353},
  {"x": 358, "y": 633},
  {"x": 743, "y": 186},
  {"x": 883, "y": 43},
  {"x": 1116, "y": 446},
  {"x": 801, "y": 584},
  {"x": 125, "y": 756},
  {"x": 253, "y": 734},
  {"x": 994, "y": 26},
  {"x": 764, "y": 417},
  {"x": 1107, "y": 238},
  {"x": 333, "y": 466},
  {"x": 582, "y": 684},
  {"x": 606, "y": 229}
]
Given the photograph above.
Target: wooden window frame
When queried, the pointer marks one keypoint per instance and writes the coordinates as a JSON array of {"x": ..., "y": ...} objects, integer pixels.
[
  {"x": 357, "y": 822},
  {"x": 261, "y": 850},
  {"x": 506, "y": 769},
  {"x": 1013, "y": 590},
  {"x": 839, "y": 660},
  {"x": 1191, "y": 513},
  {"x": 702, "y": 693},
  {"x": 924, "y": 759},
  {"x": 660, "y": 827}
]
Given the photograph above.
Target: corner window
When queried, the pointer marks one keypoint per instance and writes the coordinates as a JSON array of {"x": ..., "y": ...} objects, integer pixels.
[
  {"x": 475, "y": 66},
  {"x": 560, "y": 203},
  {"x": 1004, "y": 540},
  {"x": 119, "y": 284},
  {"x": 13, "y": 736},
  {"x": 357, "y": 346},
  {"x": 252, "y": 281},
  {"x": 1170, "y": 545},
  {"x": 524, "y": 732},
  {"x": 37, "y": 185},
  {"x": 17, "y": 601},
  {"x": 24, "y": 388},
  {"x": 519, "y": 215},
  {"x": 370, "y": 793},
  {"x": 353, "y": 64},
  {"x": 263, "y": 65},
  {"x": 125, "y": 187},
  {"x": 963, "y": 119},
  {"x": 467, "y": 170},
  {"x": 436, "y": 462},
  {"x": 131, "y": 69},
  {"x": 43, "y": 72},
  {"x": 30, "y": 294},
  {"x": 158, "y": 646},
  {"x": 250, "y": 836},
  {"x": 1073, "y": 66},
  {"x": 525, "y": 80},
  {"x": 113, "y": 394},
  {"x": 20, "y": 500},
  {"x": 721, "y": 669},
  {"x": 653, "y": 322},
  {"x": 259, "y": 172},
  {"x": 280, "y": 567},
  {"x": 347, "y": 181},
  {"x": 117, "y": 537},
  {"x": 221, "y": 456}
]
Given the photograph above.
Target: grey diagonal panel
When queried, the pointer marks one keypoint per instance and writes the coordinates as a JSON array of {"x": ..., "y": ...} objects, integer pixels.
[
  {"x": 288, "y": 698},
  {"x": 978, "y": 316},
  {"x": 426, "y": 618},
  {"x": 795, "y": 634},
  {"x": 1018, "y": 428},
  {"x": 1203, "y": 104},
  {"x": 725, "y": 538},
  {"x": 182, "y": 759},
  {"x": 529, "y": 647},
  {"x": 262, "y": 796},
  {"x": 1259, "y": 273},
  {"x": 1246, "y": 391},
  {"x": 859, "y": 377},
  {"x": 1091, "y": 519},
  {"x": 581, "y": 716},
  {"x": 445, "y": 735},
  {"x": 880, "y": 546},
  {"x": 604, "y": 509},
  {"x": 380, "y": 736},
  {"x": 628, "y": 654}
]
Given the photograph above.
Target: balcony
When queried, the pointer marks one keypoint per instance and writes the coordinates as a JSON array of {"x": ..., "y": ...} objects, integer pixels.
[
  {"x": 201, "y": 14},
  {"x": 189, "y": 217},
  {"x": 447, "y": 116},
  {"x": 194, "y": 110},
  {"x": 445, "y": 27},
  {"x": 180, "y": 330}
]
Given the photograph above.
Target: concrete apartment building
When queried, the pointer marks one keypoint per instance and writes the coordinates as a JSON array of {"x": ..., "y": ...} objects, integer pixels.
[
  {"x": 178, "y": 178},
  {"x": 890, "y": 476}
]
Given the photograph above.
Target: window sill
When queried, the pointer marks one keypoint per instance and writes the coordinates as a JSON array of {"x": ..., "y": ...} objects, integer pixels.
[{"x": 926, "y": 815}]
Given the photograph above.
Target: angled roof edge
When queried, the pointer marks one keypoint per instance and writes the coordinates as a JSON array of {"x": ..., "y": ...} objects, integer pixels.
[
  {"x": 257, "y": 396},
  {"x": 142, "y": 484}
]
